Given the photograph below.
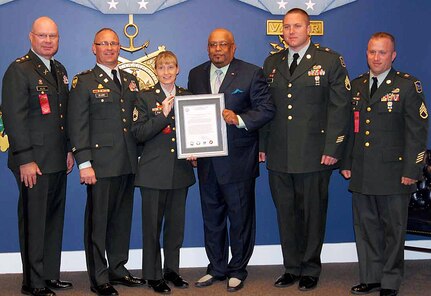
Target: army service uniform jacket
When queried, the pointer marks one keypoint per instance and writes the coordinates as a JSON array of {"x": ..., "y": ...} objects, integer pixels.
[
  {"x": 388, "y": 136},
  {"x": 34, "y": 114},
  {"x": 313, "y": 111},
  {"x": 100, "y": 118},
  {"x": 159, "y": 167}
]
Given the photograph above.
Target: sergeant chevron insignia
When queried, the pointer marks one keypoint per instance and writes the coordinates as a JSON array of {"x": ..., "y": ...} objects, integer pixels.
[{"x": 423, "y": 112}]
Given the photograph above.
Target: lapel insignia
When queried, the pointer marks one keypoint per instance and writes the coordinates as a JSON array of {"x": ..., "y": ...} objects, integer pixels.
[
  {"x": 101, "y": 74},
  {"x": 65, "y": 80},
  {"x": 45, "y": 71},
  {"x": 133, "y": 86},
  {"x": 105, "y": 80},
  {"x": 74, "y": 81},
  {"x": 423, "y": 112},
  {"x": 135, "y": 114},
  {"x": 418, "y": 86},
  {"x": 347, "y": 83}
]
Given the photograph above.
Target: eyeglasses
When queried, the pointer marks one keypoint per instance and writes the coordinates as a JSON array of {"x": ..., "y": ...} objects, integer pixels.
[
  {"x": 106, "y": 43},
  {"x": 223, "y": 45},
  {"x": 45, "y": 36}
]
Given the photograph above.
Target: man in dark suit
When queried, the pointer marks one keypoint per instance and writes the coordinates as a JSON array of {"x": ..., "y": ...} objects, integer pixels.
[
  {"x": 310, "y": 88},
  {"x": 100, "y": 117},
  {"x": 385, "y": 158},
  {"x": 35, "y": 95},
  {"x": 227, "y": 183}
]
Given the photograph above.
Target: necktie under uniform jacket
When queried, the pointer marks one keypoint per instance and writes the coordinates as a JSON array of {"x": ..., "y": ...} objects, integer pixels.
[
  {"x": 227, "y": 183},
  {"x": 164, "y": 180},
  {"x": 387, "y": 142},
  {"x": 100, "y": 117},
  {"x": 34, "y": 111},
  {"x": 312, "y": 119}
]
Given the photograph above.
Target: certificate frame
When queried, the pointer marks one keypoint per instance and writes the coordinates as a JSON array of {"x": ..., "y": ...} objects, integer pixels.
[{"x": 200, "y": 138}]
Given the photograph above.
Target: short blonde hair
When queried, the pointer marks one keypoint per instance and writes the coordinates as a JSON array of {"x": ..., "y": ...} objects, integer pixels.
[{"x": 166, "y": 57}]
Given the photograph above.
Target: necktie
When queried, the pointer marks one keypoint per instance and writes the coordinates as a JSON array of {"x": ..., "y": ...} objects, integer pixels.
[
  {"x": 115, "y": 78},
  {"x": 53, "y": 71},
  {"x": 373, "y": 87},
  {"x": 294, "y": 63},
  {"x": 218, "y": 80}
]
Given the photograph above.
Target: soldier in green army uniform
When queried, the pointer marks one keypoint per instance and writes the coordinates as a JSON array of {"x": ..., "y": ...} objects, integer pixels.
[
  {"x": 302, "y": 145},
  {"x": 35, "y": 96},
  {"x": 162, "y": 177},
  {"x": 384, "y": 160},
  {"x": 100, "y": 118}
]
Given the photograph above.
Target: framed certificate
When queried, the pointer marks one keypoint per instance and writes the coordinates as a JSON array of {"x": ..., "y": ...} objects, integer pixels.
[{"x": 200, "y": 128}]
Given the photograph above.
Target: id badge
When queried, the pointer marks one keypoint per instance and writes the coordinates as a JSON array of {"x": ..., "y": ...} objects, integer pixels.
[{"x": 44, "y": 104}]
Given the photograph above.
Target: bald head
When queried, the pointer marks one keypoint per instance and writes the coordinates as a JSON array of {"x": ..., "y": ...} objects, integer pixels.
[
  {"x": 44, "y": 37},
  {"x": 221, "y": 47}
]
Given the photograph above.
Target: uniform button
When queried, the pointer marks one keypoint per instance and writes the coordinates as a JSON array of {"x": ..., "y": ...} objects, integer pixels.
[
  {"x": 62, "y": 128},
  {"x": 289, "y": 117},
  {"x": 367, "y": 133},
  {"x": 289, "y": 106},
  {"x": 173, "y": 117},
  {"x": 367, "y": 121},
  {"x": 173, "y": 139},
  {"x": 97, "y": 145},
  {"x": 122, "y": 101},
  {"x": 289, "y": 85},
  {"x": 172, "y": 150},
  {"x": 59, "y": 105},
  {"x": 61, "y": 115},
  {"x": 400, "y": 158},
  {"x": 173, "y": 128},
  {"x": 322, "y": 131},
  {"x": 367, "y": 144},
  {"x": 289, "y": 96},
  {"x": 125, "y": 130},
  {"x": 102, "y": 100},
  {"x": 368, "y": 109},
  {"x": 124, "y": 120},
  {"x": 122, "y": 109}
]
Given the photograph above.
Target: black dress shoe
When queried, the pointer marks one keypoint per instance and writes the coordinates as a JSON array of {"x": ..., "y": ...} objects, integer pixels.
[
  {"x": 307, "y": 283},
  {"x": 233, "y": 288},
  {"x": 208, "y": 282},
  {"x": 176, "y": 279},
  {"x": 104, "y": 290},
  {"x": 286, "y": 280},
  {"x": 159, "y": 286},
  {"x": 58, "y": 285},
  {"x": 362, "y": 288},
  {"x": 128, "y": 280},
  {"x": 388, "y": 292},
  {"x": 37, "y": 291}
]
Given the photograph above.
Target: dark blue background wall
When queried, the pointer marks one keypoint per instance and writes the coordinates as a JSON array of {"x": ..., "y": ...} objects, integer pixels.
[{"x": 184, "y": 29}]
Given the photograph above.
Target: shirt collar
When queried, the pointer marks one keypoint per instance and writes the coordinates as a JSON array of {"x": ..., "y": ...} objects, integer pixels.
[
  {"x": 45, "y": 61},
  {"x": 108, "y": 70}
]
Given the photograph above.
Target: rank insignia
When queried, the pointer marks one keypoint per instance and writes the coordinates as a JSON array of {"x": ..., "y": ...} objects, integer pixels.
[
  {"x": 340, "y": 139},
  {"x": 74, "y": 81},
  {"x": 418, "y": 86},
  {"x": 135, "y": 114},
  {"x": 65, "y": 80},
  {"x": 347, "y": 83},
  {"x": 420, "y": 157},
  {"x": 423, "y": 112},
  {"x": 342, "y": 62}
]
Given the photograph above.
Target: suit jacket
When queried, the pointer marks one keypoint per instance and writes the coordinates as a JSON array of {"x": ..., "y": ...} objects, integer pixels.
[
  {"x": 158, "y": 165},
  {"x": 388, "y": 138},
  {"x": 100, "y": 118},
  {"x": 313, "y": 111},
  {"x": 35, "y": 136},
  {"x": 246, "y": 93}
]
